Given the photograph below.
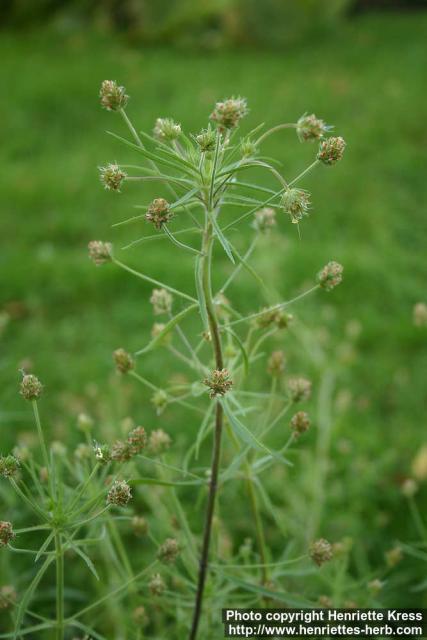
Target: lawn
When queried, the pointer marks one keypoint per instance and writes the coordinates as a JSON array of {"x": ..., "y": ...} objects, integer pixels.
[{"x": 65, "y": 316}]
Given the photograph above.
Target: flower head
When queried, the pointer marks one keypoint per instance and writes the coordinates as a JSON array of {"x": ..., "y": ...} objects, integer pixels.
[
  {"x": 166, "y": 129},
  {"x": 9, "y": 466},
  {"x": 162, "y": 301},
  {"x": 264, "y": 220},
  {"x": 113, "y": 97},
  {"x": 295, "y": 202},
  {"x": 112, "y": 177},
  {"x": 276, "y": 364},
  {"x": 330, "y": 276},
  {"x": 206, "y": 140},
  {"x": 168, "y": 551},
  {"x": 409, "y": 488},
  {"x": 219, "y": 382},
  {"x": 159, "y": 212},
  {"x": 156, "y": 585},
  {"x": 227, "y": 114},
  {"x": 8, "y": 597},
  {"x": 119, "y": 494},
  {"x": 310, "y": 128},
  {"x": 300, "y": 423},
  {"x": 124, "y": 361},
  {"x": 420, "y": 314},
  {"x": 320, "y": 551},
  {"x": 159, "y": 441},
  {"x": 31, "y": 387},
  {"x": 331, "y": 150},
  {"x": 159, "y": 400},
  {"x": 102, "y": 453},
  {"x": 6, "y": 533},
  {"x": 270, "y": 317},
  {"x": 299, "y": 389},
  {"x": 139, "y": 526},
  {"x": 139, "y": 615},
  {"x": 100, "y": 252},
  {"x": 393, "y": 556},
  {"x": 137, "y": 440}
]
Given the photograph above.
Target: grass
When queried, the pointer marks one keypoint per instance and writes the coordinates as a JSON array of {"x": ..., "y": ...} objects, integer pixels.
[{"x": 368, "y": 213}]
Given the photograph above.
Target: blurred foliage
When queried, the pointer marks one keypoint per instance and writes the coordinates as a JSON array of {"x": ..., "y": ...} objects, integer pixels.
[{"x": 204, "y": 23}]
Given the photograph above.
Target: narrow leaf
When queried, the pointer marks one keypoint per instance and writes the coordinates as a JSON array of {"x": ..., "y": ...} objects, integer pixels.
[{"x": 167, "y": 329}]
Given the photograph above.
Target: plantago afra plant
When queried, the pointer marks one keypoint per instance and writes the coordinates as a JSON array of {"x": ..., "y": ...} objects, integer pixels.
[
  {"x": 85, "y": 506},
  {"x": 201, "y": 179}
]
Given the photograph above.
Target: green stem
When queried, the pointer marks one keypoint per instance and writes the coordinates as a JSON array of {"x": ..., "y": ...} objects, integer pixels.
[
  {"x": 219, "y": 420},
  {"x": 59, "y": 555},
  {"x": 41, "y": 438},
  {"x": 279, "y": 127}
]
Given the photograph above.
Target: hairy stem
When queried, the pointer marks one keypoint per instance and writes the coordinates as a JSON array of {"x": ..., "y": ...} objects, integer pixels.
[{"x": 219, "y": 420}]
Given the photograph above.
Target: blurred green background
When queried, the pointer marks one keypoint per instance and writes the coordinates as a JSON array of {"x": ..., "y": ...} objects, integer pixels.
[{"x": 362, "y": 71}]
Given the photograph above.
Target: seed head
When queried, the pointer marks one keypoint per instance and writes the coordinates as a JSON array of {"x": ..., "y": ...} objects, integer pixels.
[
  {"x": 331, "y": 150},
  {"x": 159, "y": 400},
  {"x": 120, "y": 451},
  {"x": 162, "y": 301},
  {"x": 219, "y": 382},
  {"x": 6, "y": 533},
  {"x": 82, "y": 451},
  {"x": 409, "y": 488},
  {"x": 139, "y": 616},
  {"x": 325, "y": 602},
  {"x": 84, "y": 422},
  {"x": 299, "y": 389},
  {"x": 270, "y": 317},
  {"x": 310, "y": 128},
  {"x": 206, "y": 140},
  {"x": 166, "y": 129},
  {"x": 159, "y": 441},
  {"x": 102, "y": 453},
  {"x": 296, "y": 202},
  {"x": 8, "y": 597},
  {"x": 113, "y": 97},
  {"x": 276, "y": 364},
  {"x": 227, "y": 114},
  {"x": 159, "y": 213},
  {"x": 137, "y": 439},
  {"x": 9, "y": 466},
  {"x": 320, "y": 551},
  {"x": 31, "y": 387},
  {"x": 330, "y": 276},
  {"x": 375, "y": 586},
  {"x": 393, "y": 556},
  {"x": 169, "y": 551},
  {"x": 419, "y": 464},
  {"x": 300, "y": 423},
  {"x": 420, "y": 314},
  {"x": 139, "y": 526},
  {"x": 124, "y": 361},
  {"x": 100, "y": 252},
  {"x": 119, "y": 494},
  {"x": 112, "y": 177},
  {"x": 265, "y": 220},
  {"x": 44, "y": 475},
  {"x": 156, "y": 585}
]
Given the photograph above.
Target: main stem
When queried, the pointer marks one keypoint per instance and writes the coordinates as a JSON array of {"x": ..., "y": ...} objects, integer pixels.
[
  {"x": 219, "y": 419},
  {"x": 59, "y": 553}
]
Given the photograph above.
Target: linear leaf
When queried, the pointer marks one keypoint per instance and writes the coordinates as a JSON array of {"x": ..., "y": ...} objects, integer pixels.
[{"x": 167, "y": 329}]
